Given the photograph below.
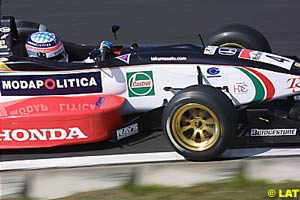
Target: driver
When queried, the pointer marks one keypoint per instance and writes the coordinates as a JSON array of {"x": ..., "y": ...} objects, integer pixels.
[
  {"x": 104, "y": 52},
  {"x": 46, "y": 45}
]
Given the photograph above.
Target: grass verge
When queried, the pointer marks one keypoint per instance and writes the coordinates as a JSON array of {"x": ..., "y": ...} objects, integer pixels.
[{"x": 233, "y": 189}]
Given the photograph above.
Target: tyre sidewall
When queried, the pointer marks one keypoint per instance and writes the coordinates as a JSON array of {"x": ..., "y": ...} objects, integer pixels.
[{"x": 240, "y": 34}]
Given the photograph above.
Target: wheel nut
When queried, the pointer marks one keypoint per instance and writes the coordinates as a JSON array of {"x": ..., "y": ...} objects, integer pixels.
[{"x": 198, "y": 124}]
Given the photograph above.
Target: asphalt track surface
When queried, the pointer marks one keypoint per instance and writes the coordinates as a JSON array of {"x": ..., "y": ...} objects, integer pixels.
[
  {"x": 162, "y": 21},
  {"x": 151, "y": 22}
]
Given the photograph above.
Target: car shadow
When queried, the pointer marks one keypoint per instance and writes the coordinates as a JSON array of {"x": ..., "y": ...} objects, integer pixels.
[
  {"x": 136, "y": 144},
  {"x": 148, "y": 142}
]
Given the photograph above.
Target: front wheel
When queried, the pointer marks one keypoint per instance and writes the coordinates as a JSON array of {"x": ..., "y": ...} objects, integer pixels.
[{"x": 200, "y": 122}]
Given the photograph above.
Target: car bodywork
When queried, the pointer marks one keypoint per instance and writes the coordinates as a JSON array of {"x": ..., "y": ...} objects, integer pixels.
[{"x": 45, "y": 103}]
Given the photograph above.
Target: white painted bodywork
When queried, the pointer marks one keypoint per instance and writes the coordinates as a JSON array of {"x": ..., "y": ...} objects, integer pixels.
[{"x": 114, "y": 82}]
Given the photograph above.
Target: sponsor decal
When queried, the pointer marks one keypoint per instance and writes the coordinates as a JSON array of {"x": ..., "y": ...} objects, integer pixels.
[
  {"x": 227, "y": 51},
  {"x": 264, "y": 88},
  {"x": 5, "y": 29},
  {"x": 125, "y": 58},
  {"x": 294, "y": 84},
  {"x": 213, "y": 72},
  {"x": 171, "y": 58},
  {"x": 127, "y": 131},
  {"x": 140, "y": 84},
  {"x": 31, "y": 85},
  {"x": 42, "y": 108},
  {"x": 250, "y": 54},
  {"x": 25, "y": 110},
  {"x": 210, "y": 50},
  {"x": 4, "y": 36},
  {"x": 75, "y": 106},
  {"x": 3, "y": 44},
  {"x": 272, "y": 132},
  {"x": 240, "y": 88},
  {"x": 268, "y": 58},
  {"x": 22, "y": 135}
]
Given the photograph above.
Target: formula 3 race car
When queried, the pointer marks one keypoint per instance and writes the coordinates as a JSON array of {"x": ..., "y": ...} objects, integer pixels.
[{"x": 203, "y": 97}]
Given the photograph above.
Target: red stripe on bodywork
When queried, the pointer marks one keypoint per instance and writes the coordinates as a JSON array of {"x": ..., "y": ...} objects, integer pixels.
[
  {"x": 245, "y": 53},
  {"x": 268, "y": 84}
]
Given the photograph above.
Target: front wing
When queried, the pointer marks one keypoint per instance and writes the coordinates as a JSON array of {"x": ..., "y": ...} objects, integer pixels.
[{"x": 56, "y": 120}]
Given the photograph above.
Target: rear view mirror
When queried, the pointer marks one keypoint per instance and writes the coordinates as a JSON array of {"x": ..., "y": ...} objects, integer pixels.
[{"x": 114, "y": 29}]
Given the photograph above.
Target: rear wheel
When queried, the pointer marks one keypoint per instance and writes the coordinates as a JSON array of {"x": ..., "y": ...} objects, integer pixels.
[
  {"x": 294, "y": 112},
  {"x": 240, "y": 36},
  {"x": 200, "y": 122}
]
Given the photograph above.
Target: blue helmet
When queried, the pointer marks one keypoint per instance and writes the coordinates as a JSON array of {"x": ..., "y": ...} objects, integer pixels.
[
  {"x": 46, "y": 45},
  {"x": 107, "y": 44},
  {"x": 106, "y": 49}
]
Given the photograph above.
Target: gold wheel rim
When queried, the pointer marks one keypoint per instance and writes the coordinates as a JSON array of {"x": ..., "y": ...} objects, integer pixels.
[
  {"x": 195, "y": 127},
  {"x": 233, "y": 45}
]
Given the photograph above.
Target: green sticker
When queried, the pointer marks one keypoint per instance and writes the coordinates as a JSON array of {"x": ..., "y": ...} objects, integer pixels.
[{"x": 140, "y": 84}]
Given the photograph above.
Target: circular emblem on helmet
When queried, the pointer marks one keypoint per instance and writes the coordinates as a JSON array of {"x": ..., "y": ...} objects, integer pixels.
[{"x": 42, "y": 37}]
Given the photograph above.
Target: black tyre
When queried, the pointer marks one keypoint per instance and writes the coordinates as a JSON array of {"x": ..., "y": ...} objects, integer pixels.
[
  {"x": 294, "y": 112},
  {"x": 200, "y": 122},
  {"x": 241, "y": 36}
]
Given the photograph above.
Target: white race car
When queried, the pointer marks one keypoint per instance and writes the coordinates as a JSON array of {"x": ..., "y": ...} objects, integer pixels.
[{"x": 203, "y": 96}]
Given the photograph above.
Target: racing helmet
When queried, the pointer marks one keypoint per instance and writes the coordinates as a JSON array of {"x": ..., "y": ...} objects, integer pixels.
[
  {"x": 106, "y": 44},
  {"x": 46, "y": 45},
  {"x": 105, "y": 50}
]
